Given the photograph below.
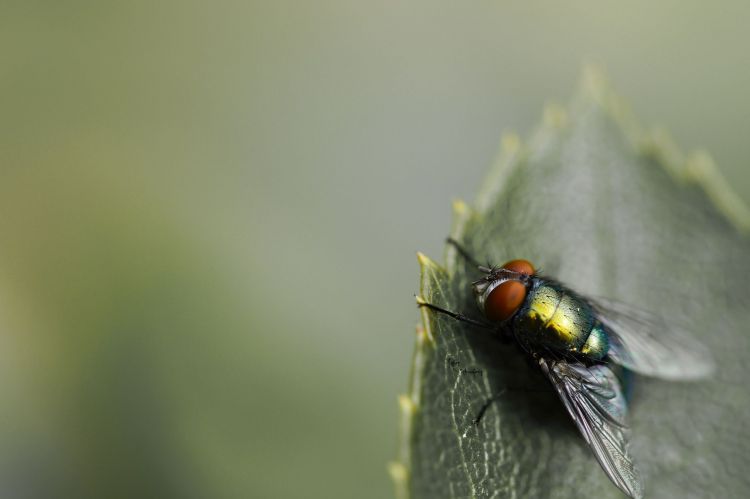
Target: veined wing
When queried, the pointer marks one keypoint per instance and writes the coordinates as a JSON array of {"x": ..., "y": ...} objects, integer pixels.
[
  {"x": 648, "y": 344},
  {"x": 594, "y": 399}
]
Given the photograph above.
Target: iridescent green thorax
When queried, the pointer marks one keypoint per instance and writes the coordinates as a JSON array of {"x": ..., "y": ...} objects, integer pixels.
[{"x": 558, "y": 319}]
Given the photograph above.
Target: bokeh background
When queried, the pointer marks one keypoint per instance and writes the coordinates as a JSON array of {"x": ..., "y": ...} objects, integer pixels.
[{"x": 209, "y": 213}]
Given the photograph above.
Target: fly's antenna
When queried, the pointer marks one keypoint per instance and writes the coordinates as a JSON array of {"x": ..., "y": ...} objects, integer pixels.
[{"x": 467, "y": 256}]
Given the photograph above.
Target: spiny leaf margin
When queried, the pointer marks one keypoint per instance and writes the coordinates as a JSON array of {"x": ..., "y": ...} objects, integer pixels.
[{"x": 696, "y": 168}]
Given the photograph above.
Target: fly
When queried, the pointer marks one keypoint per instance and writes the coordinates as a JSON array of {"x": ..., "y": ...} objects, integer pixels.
[{"x": 576, "y": 342}]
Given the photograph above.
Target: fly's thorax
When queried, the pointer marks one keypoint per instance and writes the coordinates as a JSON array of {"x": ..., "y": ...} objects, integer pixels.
[{"x": 554, "y": 317}]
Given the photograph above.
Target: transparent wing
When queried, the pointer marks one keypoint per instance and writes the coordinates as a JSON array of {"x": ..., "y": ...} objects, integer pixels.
[
  {"x": 594, "y": 399},
  {"x": 648, "y": 344}
]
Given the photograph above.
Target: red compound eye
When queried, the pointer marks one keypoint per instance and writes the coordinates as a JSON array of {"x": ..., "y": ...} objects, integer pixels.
[
  {"x": 505, "y": 299},
  {"x": 520, "y": 266}
]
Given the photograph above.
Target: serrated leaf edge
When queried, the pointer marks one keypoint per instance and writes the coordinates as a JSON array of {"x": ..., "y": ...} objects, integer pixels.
[
  {"x": 410, "y": 403},
  {"x": 698, "y": 168}
]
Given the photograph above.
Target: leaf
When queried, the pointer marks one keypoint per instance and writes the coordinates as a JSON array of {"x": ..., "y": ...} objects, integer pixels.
[{"x": 613, "y": 212}]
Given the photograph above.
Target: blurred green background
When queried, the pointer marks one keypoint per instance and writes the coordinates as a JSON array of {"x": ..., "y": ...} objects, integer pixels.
[{"x": 209, "y": 213}]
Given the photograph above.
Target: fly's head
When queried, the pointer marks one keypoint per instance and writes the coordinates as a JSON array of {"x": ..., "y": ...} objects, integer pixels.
[{"x": 503, "y": 290}]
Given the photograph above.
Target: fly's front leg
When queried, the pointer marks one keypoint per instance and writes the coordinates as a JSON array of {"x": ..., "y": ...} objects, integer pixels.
[{"x": 456, "y": 315}]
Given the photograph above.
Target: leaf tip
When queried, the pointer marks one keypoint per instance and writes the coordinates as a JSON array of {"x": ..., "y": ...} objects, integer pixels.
[
  {"x": 406, "y": 405},
  {"x": 400, "y": 476},
  {"x": 423, "y": 337},
  {"x": 594, "y": 81},
  {"x": 701, "y": 168},
  {"x": 460, "y": 208},
  {"x": 425, "y": 261},
  {"x": 424, "y": 334},
  {"x": 555, "y": 116},
  {"x": 698, "y": 168},
  {"x": 594, "y": 87},
  {"x": 397, "y": 471},
  {"x": 510, "y": 143},
  {"x": 660, "y": 145}
]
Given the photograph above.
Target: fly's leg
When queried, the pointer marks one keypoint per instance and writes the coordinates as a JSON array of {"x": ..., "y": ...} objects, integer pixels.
[
  {"x": 501, "y": 332},
  {"x": 467, "y": 256},
  {"x": 458, "y": 316},
  {"x": 484, "y": 408},
  {"x": 491, "y": 400}
]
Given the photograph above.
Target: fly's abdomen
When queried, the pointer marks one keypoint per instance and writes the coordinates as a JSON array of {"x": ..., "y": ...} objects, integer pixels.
[{"x": 597, "y": 344}]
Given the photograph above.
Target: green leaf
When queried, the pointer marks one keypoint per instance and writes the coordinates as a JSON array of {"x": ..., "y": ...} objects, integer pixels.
[{"x": 614, "y": 212}]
